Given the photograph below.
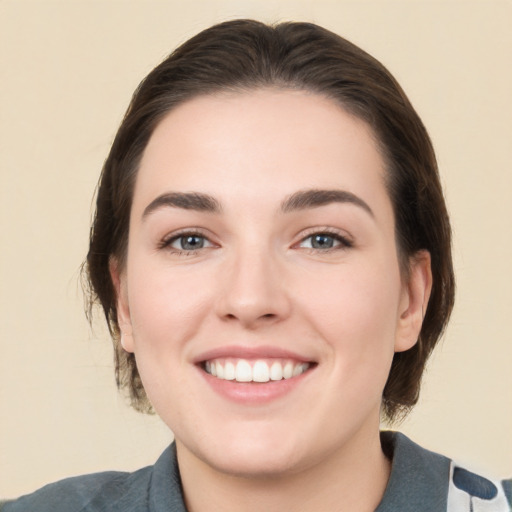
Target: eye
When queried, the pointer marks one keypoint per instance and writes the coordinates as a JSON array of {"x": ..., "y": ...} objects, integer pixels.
[
  {"x": 325, "y": 241},
  {"x": 186, "y": 243}
]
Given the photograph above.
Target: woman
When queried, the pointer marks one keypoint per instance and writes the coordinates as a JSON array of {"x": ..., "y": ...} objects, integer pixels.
[{"x": 271, "y": 249}]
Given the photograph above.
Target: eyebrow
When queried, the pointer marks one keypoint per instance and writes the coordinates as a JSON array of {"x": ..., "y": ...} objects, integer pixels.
[
  {"x": 185, "y": 200},
  {"x": 314, "y": 198},
  {"x": 301, "y": 200}
]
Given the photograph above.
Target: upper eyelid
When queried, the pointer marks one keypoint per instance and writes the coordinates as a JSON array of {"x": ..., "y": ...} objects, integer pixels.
[
  {"x": 319, "y": 230},
  {"x": 338, "y": 238},
  {"x": 168, "y": 239},
  {"x": 186, "y": 231},
  {"x": 299, "y": 237}
]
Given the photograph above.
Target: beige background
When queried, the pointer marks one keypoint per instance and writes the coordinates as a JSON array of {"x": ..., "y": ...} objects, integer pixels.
[{"x": 67, "y": 70}]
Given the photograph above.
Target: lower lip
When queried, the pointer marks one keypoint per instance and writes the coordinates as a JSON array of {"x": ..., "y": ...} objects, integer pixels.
[{"x": 254, "y": 393}]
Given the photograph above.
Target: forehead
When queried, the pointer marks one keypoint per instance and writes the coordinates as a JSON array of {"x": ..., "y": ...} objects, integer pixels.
[{"x": 274, "y": 140}]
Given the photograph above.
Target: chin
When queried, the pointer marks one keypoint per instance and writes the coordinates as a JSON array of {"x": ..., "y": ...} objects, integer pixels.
[
  {"x": 249, "y": 454},
  {"x": 255, "y": 463}
]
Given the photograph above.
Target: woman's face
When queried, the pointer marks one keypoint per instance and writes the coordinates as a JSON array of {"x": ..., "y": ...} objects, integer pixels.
[{"x": 262, "y": 247}]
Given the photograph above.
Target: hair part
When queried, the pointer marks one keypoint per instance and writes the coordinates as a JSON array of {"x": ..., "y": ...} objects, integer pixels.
[{"x": 245, "y": 55}]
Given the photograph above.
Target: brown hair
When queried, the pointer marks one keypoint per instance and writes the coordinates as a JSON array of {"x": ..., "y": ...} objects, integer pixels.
[{"x": 246, "y": 55}]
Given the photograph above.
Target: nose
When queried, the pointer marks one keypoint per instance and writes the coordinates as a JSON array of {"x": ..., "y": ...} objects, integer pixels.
[{"x": 253, "y": 290}]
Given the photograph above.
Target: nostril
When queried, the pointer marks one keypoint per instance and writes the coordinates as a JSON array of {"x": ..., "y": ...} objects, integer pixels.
[{"x": 269, "y": 316}]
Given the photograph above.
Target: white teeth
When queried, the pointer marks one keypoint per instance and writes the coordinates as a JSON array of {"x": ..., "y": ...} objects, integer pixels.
[
  {"x": 276, "y": 371},
  {"x": 288, "y": 371},
  {"x": 260, "y": 372},
  {"x": 229, "y": 371},
  {"x": 243, "y": 370},
  {"x": 220, "y": 370},
  {"x": 296, "y": 371}
]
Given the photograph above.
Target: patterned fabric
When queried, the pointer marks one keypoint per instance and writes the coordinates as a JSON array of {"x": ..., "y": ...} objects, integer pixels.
[{"x": 469, "y": 492}]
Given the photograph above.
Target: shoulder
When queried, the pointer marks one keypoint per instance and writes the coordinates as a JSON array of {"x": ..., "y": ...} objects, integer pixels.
[
  {"x": 507, "y": 488},
  {"x": 158, "y": 485},
  {"x": 423, "y": 481},
  {"x": 467, "y": 488},
  {"x": 88, "y": 492}
]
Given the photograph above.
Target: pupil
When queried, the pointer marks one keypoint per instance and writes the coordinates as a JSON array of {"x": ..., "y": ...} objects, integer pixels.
[
  {"x": 192, "y": 242},
  {"x": 322, "y": 242}
]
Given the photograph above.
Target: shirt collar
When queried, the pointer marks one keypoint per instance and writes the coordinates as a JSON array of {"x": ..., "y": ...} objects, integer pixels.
[
  {"x": 418, "y": 481},
  {"x": 165, "y": 491},
  {"x": 419, "y": 478}
]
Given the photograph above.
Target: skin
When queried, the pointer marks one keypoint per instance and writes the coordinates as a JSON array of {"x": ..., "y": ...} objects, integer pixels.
[{"x": 257, "y": 281}]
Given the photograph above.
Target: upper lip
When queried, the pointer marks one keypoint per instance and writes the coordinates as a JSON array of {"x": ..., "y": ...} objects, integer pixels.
[{"x": 252, "y": 352}]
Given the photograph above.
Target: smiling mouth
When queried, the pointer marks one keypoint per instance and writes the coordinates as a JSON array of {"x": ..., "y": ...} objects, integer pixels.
[{"x": 257, "y": 370}]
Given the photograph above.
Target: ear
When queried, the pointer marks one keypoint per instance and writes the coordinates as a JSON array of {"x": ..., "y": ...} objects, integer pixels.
[
  {"x": 123, "y": 311},
  {"x": 413, "y": 305}
]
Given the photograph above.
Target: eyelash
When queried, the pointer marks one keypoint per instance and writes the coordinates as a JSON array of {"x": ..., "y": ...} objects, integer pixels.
[
  {"x": 343, "y": 242},
  {"x": 167, "y": 242}
]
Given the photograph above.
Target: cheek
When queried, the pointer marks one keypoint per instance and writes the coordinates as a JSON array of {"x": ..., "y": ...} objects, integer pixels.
[
  {"x": 167, "y": 310},
  {"x": 356, "y": 312},
  {"x": 165, "y": 306}
]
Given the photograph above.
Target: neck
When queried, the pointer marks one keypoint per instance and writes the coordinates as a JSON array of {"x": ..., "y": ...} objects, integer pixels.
[{"x": 350, "y": 479}]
